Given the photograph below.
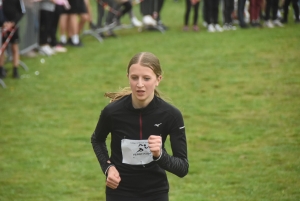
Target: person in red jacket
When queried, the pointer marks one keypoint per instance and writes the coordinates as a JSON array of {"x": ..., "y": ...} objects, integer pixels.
[
  {"x": 12, "y": 11},
  {"x": 139, "y": 122}
]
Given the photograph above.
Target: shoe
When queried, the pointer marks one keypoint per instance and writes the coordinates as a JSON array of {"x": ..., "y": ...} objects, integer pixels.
[
  {"x": 185, "y": 28},
  {"x": 149, "y": 21},
  {"x": 159, "y": 23},
  {"x": 269, "y": 24},
  {"x": 204, "y": 24},
  {"x": 284, "y": 21},
  {"x": 231, "y": 27},
  {"x": 211, "y": 28},
  {"x": 2, "y": 72},
  {"x": 277, "y": 23},
  {"x": 70, "y": 42},
  {"x": 101, "y": 35},
  {"x": 93, "y": 26},
  {"x": 15, "y": 73},
  {"x": 218, "y": 28},
  {"x": 196, "y": 28},
  {"x": 226, "y": 27},
  {"x": 46, "y": 49},
  {"x": 59, "y": 48},
  {"x": 244, "y": 26},
  {"x": 136, "y": 22},
  {"x": 30, "y": 54},
  {"x": 256, "y": 25},
  {"x": 79, "y": 44},
  {"x": 62, "y": 44}
]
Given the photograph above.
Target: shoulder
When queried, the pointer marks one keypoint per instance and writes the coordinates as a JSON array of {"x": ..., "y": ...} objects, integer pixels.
[
  {"x": 116, "y": 105},
  {"x": 168, "y": 107}
]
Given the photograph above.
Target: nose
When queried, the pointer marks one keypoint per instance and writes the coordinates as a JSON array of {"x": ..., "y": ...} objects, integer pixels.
[{"x": 140, "y": 83}]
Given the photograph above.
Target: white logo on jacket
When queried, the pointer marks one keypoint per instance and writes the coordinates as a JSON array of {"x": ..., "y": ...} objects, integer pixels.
[{"x": 157, "y": 125}]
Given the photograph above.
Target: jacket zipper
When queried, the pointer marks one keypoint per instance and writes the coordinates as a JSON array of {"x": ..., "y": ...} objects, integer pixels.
[{"x": 141, "y": 127}]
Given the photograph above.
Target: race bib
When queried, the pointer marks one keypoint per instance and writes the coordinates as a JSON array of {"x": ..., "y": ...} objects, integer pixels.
[{"x": 136, "y": 152}]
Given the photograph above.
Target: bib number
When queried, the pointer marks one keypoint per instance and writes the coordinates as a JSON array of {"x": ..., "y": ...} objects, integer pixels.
[{"x": 136, "y": 152}]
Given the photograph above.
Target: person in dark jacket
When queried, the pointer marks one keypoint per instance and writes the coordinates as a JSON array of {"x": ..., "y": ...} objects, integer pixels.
[
  {"x": 12, "y": 11},
  {"x": 139, "y": 122}
]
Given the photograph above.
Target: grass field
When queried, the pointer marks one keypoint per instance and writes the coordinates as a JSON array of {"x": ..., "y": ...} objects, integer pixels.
[{"x": 239, "y": 93}]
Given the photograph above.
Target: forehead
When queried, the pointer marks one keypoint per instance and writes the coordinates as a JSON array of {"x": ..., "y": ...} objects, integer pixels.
[{"x": 138, "y": 69}]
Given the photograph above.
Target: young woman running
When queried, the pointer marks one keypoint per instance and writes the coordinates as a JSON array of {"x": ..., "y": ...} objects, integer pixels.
[{"x": 139, "y": 121}]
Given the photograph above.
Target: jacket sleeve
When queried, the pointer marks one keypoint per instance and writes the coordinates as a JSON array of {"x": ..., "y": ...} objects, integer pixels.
[
  {"x": 178, "y": 162},
  {"x": 98, "y": 141}
]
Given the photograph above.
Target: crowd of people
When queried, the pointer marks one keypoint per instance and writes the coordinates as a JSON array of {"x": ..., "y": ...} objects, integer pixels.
[
  {"x": 245, "y": 13},
  {"x": 61, "y": 22}
]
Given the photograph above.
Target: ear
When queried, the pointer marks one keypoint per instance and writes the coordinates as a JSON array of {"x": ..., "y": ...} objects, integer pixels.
[{"x": 159, "y": 78}]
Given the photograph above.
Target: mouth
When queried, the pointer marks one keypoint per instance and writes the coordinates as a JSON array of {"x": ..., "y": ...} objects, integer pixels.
[{"x": 140, "y": 92}]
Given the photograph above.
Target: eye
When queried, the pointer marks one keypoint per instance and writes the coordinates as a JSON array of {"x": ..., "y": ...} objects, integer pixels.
[
  {"x": 147, "y": 78},
  {"x": 134, "y": 77}
]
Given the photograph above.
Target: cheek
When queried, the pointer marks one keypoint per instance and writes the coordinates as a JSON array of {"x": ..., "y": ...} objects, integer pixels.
[{"x": 131, "y": 83}]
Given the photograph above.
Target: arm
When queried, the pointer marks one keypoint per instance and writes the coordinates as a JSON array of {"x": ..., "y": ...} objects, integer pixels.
[
  {"x": 98, "y": 141},
  {"x": 178, "y": 163}
]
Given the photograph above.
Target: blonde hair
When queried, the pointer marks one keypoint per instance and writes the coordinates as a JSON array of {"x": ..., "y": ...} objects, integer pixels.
[{"x": 145, "y": 59}]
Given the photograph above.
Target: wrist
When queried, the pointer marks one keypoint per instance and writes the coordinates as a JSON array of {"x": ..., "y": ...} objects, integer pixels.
[
  {"x": 159, "y": 156},
  {"x": 107, "y": 169}
]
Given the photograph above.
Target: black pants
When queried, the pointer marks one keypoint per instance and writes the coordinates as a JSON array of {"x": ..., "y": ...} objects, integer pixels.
[
  {"x": 188, "y": 10},
  {"x": 228, "y": 9},
  {"x": 150, "y": 6},
  {"x": 54, "y": 25},
  {"x": 286, "y": 9},
  {"x": 271, "y": 4},
  {"x": 241, "y": 8},
  {"x": 211, "y": 11},
  {"x": 160, "y": 197},
  {"x": 46, "y": 18}
]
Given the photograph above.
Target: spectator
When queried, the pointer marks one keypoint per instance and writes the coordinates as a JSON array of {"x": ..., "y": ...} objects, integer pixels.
[
  {"x": 69, "y": 25},
  {"x": 255, "y": 9},
  {"x": 272, "y": 4},
  {"x": 286, "y": 10},
  {"x": 212, "y": 14},
  {"x": 241, "y": 14},
  {"x": 228, "y": 10},
  {"x": 189, "y": 4},
  {"x": 90, "y": 17},
  {"x": 151, "y": 11},
  {"x": 12, "y": 12}
]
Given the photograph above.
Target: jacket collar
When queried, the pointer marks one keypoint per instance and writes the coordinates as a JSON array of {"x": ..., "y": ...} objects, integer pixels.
[{"x": 153, "y": 104}]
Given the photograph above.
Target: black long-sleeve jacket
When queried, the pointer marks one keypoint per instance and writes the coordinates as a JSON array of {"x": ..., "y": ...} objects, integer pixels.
[
  {"x": 123, "y": 121},
  {"x": 13, "y": 10}
]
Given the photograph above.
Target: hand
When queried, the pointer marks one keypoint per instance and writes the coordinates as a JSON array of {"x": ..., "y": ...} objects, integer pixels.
[
  {"x": 8, "y": 25},
  {"x": 113, "y": 178},
  {"x": 193, "y": 2},
  {"x": 155, "y": 143}
]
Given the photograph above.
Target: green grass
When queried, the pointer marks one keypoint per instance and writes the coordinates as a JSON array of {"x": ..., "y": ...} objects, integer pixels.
[{"x": 239, "y": 93}]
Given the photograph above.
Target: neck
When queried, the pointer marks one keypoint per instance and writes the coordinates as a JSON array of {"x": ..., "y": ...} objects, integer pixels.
[{"x": 138, "y": 104}]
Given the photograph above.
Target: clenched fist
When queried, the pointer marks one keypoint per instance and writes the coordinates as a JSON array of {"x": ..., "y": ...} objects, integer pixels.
[{"x": 155, "y": 144}]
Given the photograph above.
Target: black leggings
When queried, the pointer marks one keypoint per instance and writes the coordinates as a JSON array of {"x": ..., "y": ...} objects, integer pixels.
[
  {"x": 159, "y": 197},
  {"x": 188, "y": 10}
]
